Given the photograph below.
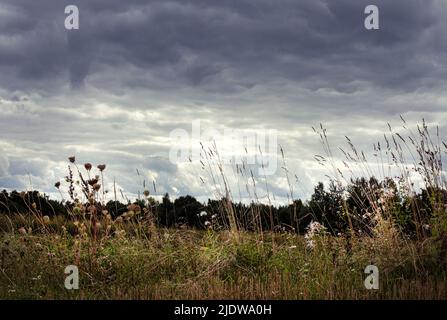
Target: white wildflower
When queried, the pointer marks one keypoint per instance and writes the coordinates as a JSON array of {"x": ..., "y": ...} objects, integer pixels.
[{"x": 313, "y": 230}]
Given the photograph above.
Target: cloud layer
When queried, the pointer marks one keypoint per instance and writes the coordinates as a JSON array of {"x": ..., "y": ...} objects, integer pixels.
[{"x": 113, "y": 90}]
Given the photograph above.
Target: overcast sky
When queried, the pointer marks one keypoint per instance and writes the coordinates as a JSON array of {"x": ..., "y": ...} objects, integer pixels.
[{"x": 112, "y": 91}]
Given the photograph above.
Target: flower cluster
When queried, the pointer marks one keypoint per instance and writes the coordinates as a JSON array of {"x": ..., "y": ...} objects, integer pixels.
[{"x": 314, "y": 230}]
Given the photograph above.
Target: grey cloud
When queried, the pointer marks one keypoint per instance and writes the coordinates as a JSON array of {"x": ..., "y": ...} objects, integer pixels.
[
  {"x": 4, "y": 164},
  {"x": 24, "y": 166},
  {"x": 112, "y": 91},
  {"x": 253, "y": 40}
]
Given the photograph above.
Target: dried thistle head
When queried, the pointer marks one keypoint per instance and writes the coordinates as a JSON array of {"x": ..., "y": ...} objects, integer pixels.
[
  {"x": 92, "y": 209},
  {"x": 146, "y": 193},
  {"x": 92, "y": 182},
  {"x": 88, "y": 166},
  {"x": 72, "y": 159},
  {"x": 118, "y": 220},
  {"x": 134, "y": 208},
  {"x": 96, "y": 187},
  {"x": 57, "y": 184},
  {"x": 101, "y": 167}
]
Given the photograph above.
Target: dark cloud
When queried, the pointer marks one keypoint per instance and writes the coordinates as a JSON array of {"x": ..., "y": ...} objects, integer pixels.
[{"x": 189, "y": 43}]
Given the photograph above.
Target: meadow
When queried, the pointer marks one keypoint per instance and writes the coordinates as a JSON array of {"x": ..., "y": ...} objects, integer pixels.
[{"x": 315, "y": 249}]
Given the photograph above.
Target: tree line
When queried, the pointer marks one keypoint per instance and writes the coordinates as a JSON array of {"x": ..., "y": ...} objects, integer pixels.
[{"x": 338, "y": 208}]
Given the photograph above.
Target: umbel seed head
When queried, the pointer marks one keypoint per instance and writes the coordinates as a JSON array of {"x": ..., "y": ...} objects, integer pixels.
[
  {"x": 101, "y": 167},
  {"x": 72, "y": 159},
  {"x": 88, "y": 166}
]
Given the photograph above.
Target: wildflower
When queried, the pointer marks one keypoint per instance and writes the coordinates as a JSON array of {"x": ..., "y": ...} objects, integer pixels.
[
  {"x": 367, "y": 215},
  {"x": 92, "y": 209},
  {"x": 72, "y": 159},
  {"x": 292, "y": 247},
  {"x": 22, "y": 230},
  {"x": 207, "y": 224},
  {"x": 314, "y": 230},
  {"x": 88, "y": 166},
  {"x": 134, "y": 207},
  {"x": 46, "y": 219},
  {"x": 101, "y": 167},
  {"x": 310, "y": 244},
  {"x": 203, "y": 213},
  {"x": 389, "y": 193},
  {"x": 119, "y": 220},
  {"x": 92, "y": 182},
  {"x": 36, "y": 278},
  {"x": 426, "y": 227},
  {"x": 316, "y": 227}
]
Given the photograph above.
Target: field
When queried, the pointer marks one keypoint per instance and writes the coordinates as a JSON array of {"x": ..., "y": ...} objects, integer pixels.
[{"x": 172, "y": 264}]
